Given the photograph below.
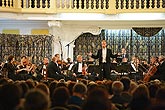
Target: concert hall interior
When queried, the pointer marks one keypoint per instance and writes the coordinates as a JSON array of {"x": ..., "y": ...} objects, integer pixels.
[{"x": 70, "y": 54}]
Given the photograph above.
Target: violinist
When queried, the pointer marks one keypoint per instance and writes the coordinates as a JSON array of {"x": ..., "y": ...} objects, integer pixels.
[
  {"x": 11, "y": 68},
  {"x": 24, "y": 69},
  {"x": 64, "y": 65},
  {"x": 53, "y": 69},
  {"x": 160, "y": 73},
  {"x": 78, "y": 68},
  {"x": 68, "y": 63},
  {"x": 134, "y": 64},
  {"x": 41, "y": 69}
]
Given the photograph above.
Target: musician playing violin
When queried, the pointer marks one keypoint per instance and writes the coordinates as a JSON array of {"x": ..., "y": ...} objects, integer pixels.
[
  {"x": 160, "y": 73},
  {"x": 11, "y": 68},
  {"x": 79, "y": 69},
  {"x": 24, "y": 70},
  {"x": 41, "y": 69},
  {"x": 53, "y": 69}
]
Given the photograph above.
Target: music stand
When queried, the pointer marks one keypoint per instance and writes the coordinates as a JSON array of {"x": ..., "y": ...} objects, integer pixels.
[
  {"x": 119, "y": 60},
  {"x": 93, "y": 69},
  {"x": 123, "y": 68},
  {"x": 113, "y": 66}
]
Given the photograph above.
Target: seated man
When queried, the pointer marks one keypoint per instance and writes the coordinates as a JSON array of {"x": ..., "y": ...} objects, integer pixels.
[
  {"x": 53, "y": 70},
  {"x": 160, "y": 73},
  {"x": 41, "y": 69},
  {"x": 78, "y": 68}
]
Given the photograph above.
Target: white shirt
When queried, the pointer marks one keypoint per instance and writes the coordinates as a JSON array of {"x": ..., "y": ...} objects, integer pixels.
[
  {"x": 44, "y": 70},
  {"x": 104, "y": 53},
  {"x": 80, "y": 67}
]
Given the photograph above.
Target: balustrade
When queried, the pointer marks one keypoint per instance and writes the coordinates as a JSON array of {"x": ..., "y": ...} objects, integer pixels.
[{"x": 101, "y": 6}]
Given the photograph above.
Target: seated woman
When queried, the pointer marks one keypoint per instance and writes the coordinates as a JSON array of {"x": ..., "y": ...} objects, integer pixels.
[{"x": 24, "y": 70}]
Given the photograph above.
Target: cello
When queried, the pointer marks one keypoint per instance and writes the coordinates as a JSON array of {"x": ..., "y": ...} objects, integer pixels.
[{"x": 152, "y": 70}]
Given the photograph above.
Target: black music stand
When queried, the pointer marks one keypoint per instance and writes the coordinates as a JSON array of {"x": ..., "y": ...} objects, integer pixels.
[
  {"x": 94, "y": 70},
  {"x": 113, "y": 66},
  {"x": 123, "y": 68},
  {"x": 132, "y": 73}
]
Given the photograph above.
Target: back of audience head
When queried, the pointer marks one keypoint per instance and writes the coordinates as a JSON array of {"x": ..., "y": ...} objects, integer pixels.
[
  {"x": 160, "y": 96},
  {"x": 141, "y": 99},
  {"x": 52, "y": 87},
  {"x": 153, "y": 88},
  {"x": 10, "y": 95},
  {"x": 109, "y": 86},
  {"x": 60, "y": 96},
  {"x": 92, "y": 85},
  {"x": 43, "y": 87},
  {"x": 25, "y": 88},
  {"x": 126, "y": 82},
  {"x": 36, "y": 99},
  {"x": 141, "y": 91},
  {"x": 70, "y": 87},
  {"x": 117, "y": 87},
  {"x": 133, "y": 86},
  {"x": 97, "y": 99},
  {"x": 61, "y": 84},
  {"x": 30, "y": 83},
  {"x": 80, "y": 88}
]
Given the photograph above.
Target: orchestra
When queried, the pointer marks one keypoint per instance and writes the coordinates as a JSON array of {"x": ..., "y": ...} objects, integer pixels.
[{"x": 24, "y": 69}]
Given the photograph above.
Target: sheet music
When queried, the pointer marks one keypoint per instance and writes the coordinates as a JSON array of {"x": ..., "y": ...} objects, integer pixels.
[
  {"x": 133, "y": 66},
  {"x": 70, "y": 67}
]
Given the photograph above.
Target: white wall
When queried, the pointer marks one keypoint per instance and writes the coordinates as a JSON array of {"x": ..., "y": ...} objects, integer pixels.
[{"x": 25, "y": 27}]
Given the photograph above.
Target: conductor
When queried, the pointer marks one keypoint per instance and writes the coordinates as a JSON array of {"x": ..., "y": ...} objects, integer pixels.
[{"x": 104, "y": 56}]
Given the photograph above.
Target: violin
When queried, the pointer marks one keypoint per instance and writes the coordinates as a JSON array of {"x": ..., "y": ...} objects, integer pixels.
[
  {"x": 60, "y": 62},
  {"x": 84, "y": 70}
]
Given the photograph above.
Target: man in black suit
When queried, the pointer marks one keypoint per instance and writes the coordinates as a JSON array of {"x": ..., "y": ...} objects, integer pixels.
[
  {"x": 104, "y": 56},
  {"x": 160, "y": 73},
  {"x": 124, "y": 55},
  {"x": 53, "y": 69},
  {"x": 41, "y": 69},
  {"x": 78, "y": 67}
]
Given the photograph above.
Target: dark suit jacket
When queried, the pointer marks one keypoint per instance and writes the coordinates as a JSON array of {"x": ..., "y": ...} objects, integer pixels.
[
  {"x": 75, "y": 68},
  {"x": 108, "y": 56},
  {"x": 53, "y": 70},
  {"x": 39, "y": 68},
  {"x": 11, "y": 71},
  {"x": 124, "y": 55},
  {"x": 160, "y": 73}
]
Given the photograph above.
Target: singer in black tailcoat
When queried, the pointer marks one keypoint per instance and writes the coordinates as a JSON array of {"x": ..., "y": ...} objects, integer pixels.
[{"x": 104, "y": 56}]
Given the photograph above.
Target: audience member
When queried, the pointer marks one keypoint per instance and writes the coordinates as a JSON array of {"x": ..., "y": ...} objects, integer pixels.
[
  {"x": 79, "y": 92},
  {"x": 140, "y": 99},
  {"x": 10, "y": 95},
  {"x": 60, "y": 97},
  {"x": 36, "y": 99},
  {"x": 97, "y": 99}
]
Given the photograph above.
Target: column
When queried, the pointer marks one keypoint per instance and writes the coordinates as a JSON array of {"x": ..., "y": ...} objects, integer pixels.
[{"x": 55, "y": 29}]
